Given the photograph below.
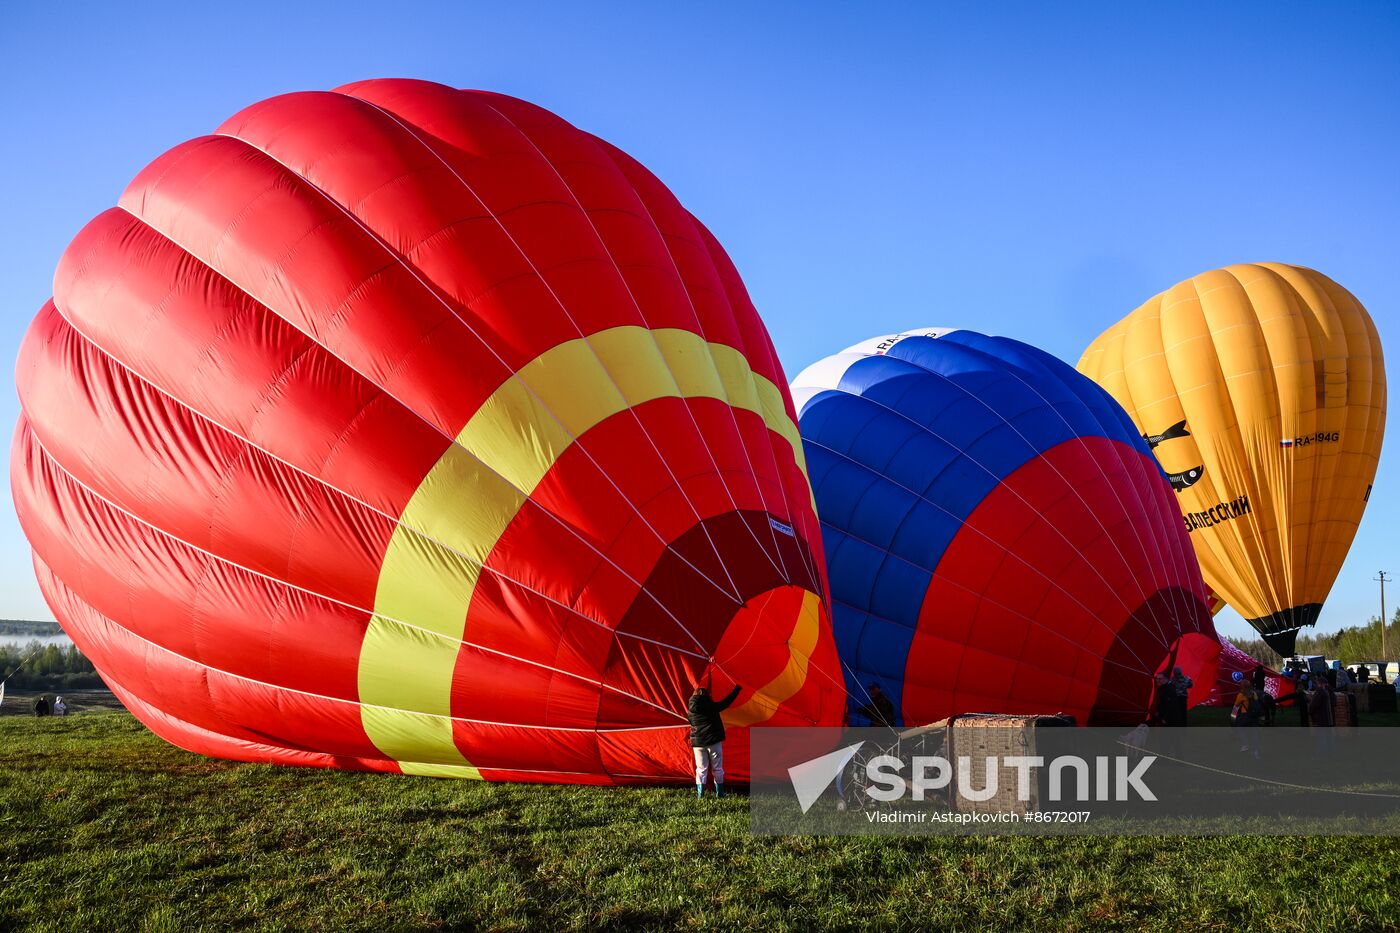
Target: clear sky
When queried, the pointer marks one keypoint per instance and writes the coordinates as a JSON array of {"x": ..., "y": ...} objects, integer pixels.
[{"x": 1035, "y": 170}]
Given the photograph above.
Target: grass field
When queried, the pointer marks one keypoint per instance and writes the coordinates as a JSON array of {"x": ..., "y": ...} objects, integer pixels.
[{"x": 105, "y": 827}]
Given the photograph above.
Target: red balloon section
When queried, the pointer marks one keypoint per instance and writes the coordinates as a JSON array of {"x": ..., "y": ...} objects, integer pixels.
[
  {"x": 1234, "y": 661},
  {"x": 408, "y": 428}
]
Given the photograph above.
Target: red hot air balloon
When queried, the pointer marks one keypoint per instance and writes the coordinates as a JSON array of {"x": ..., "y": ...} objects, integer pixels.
[{"x": 412, "y": 429}]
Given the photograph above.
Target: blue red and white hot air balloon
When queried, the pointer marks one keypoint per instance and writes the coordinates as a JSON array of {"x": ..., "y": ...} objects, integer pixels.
[{"x": 998, "y": 536}]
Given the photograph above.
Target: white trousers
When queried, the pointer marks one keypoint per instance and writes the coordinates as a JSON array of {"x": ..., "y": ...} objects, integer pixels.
[{"x": 709, "y": 759}]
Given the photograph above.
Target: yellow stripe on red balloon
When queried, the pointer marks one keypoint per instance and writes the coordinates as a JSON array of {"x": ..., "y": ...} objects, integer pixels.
[
  {"x": 474, "y": 491},
  {"x": 801, "y": 643}
]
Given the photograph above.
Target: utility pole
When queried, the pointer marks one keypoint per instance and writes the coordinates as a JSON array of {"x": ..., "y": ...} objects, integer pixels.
[{"x": 1382, "y": 578}]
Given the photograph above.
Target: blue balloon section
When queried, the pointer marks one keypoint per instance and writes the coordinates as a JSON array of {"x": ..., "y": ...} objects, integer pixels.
[{"x": 904, "y": 446}]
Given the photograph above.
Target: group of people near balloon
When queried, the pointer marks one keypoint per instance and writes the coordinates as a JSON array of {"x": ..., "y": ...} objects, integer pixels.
[
  {"x": 42, "y": 706},
  {"x": 411, "y": 429}
]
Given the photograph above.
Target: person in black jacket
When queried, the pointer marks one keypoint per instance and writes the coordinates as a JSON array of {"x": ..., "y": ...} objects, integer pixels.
[
  {"x": 1260, "y": 681},
  {"x": 879, "y": 711},
  {"x": 707, "y": 736}
]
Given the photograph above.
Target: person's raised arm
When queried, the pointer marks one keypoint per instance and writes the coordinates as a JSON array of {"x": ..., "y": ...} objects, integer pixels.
[{"x": 728, "y": 698}]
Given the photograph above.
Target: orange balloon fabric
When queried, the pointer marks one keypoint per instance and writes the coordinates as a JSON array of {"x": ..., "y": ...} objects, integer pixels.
[{"x": 1261, "y": 389}]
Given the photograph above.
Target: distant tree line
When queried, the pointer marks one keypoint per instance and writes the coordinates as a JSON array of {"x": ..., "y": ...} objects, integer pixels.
[
  {"x": 1358, "y": 643},
  {"x": 29, "y": 627},
  {"x": 50, "y": 667}
]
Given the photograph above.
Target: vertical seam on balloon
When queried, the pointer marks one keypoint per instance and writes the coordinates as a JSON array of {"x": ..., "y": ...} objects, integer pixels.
[{"x": 1304, "y": 319}]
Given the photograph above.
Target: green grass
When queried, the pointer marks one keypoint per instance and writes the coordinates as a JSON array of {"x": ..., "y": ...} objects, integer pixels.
[{"x": 105, "y": 827}]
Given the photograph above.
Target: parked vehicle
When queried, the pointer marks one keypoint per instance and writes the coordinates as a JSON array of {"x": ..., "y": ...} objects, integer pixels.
[
  {"x": 1312, "y": 663},
  {"x": 1378, "y": 670}
]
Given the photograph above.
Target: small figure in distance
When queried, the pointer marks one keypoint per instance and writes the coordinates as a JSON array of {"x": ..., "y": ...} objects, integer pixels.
[
  {"x": 41, "y": 706},
  {"x": 1321, "y": 716},
  {"x": 59, "y": 707},
  {"x": 1163, "y": 697},
  {"x": 707, "y": 735},
  {"x": 1181, "y": 688},
  {"x": 1260, "y": 679},
  {"x": 1241, "y": 704},
  {"x": 880, "y": 711},
  {"x": 1245, "y": 714}
]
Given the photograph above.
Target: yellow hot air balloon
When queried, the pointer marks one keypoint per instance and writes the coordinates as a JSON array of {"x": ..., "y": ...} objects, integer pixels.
[{"x": 1261, "y": 388}]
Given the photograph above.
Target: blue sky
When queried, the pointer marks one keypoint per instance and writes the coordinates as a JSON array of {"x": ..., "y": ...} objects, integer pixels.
[{"x": 1033, "y": 170}]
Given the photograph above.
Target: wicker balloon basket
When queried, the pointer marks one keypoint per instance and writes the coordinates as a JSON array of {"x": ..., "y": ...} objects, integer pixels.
[{"x": 979, "y": 736}]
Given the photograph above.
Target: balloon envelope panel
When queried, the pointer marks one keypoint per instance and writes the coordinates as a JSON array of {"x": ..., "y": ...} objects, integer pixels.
[
  {"x": 998, "y": 535},
  {"x": 413, "y": 429},
  {"x": 1262, "y": 390}
]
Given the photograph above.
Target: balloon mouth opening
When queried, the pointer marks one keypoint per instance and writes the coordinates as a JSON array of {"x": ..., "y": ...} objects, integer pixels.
[
  {"x": 766, "y": 649},
  {"x": 1198, "y": 656},
  {"x": 1280, "y": 629}
]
